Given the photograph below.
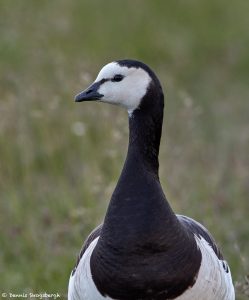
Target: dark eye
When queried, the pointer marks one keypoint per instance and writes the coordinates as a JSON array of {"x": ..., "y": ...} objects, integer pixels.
[{"x": 117, "y": 78}]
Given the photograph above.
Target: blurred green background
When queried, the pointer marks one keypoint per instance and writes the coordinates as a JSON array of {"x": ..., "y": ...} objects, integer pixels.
[{"x": 60, "y": 161}]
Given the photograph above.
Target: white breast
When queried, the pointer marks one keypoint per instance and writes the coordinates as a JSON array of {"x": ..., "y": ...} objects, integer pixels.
[
  {"x": 81, "y": 285},
  {"x": 213, "y": 282}
]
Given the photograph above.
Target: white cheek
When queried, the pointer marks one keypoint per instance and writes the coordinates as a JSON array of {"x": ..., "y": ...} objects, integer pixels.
[
  {"x": 127, "y": 93},
  {"x": 110, "y": 91}
]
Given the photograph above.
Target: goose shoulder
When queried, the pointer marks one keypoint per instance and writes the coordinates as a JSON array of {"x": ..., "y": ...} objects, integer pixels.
[
  {"x": 200, "y": 231},
  {"x": 91, "y": 237}
]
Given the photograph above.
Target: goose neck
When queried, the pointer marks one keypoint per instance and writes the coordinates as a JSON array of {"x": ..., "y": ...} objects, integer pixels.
[{"x": 144, "y": 141}]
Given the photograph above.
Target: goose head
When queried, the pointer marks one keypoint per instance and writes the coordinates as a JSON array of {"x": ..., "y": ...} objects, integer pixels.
[{"x": 124, "y": 83}]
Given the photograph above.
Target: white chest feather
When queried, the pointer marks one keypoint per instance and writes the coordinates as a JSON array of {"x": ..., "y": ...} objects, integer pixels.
[
  {"x": 81, "y": 285},
  {"x": 212, "y": 282}
]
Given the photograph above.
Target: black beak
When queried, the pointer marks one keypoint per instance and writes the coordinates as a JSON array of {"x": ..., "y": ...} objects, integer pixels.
[{"x": 89, "y": 94}]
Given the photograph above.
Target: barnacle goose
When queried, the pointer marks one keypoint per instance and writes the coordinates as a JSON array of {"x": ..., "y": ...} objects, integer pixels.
[{"x": 143, "y": 250}]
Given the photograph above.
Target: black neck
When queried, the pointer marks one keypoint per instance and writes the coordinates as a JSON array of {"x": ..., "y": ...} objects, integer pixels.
[
  {"x": 141, "y": 235},
  {"x": 144, "y": 140},
  {"x": 138, "y": 206}
]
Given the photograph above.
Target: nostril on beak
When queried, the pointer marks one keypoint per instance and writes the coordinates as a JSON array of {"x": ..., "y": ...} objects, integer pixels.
[{"x": 89, "y": 91}]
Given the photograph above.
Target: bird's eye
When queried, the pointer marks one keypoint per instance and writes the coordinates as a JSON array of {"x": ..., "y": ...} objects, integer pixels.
[{"x": 117, "y": 78}]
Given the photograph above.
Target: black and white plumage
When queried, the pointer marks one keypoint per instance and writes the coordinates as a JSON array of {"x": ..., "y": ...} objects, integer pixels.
[{"x": 143, "y": 250}]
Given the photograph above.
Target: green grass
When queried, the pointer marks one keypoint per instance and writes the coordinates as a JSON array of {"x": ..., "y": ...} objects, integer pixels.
[{"x": 59, "y": 161}]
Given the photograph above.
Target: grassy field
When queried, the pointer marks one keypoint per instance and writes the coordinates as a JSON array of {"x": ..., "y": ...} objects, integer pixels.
[{"x": 59, "y": 161}]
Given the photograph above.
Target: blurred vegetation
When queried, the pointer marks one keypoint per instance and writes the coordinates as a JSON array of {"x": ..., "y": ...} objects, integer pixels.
[{"x": 59, "y": 161}]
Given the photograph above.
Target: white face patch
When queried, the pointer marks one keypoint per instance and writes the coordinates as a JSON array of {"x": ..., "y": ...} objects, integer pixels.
[{"x": 129, "y": 91}]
